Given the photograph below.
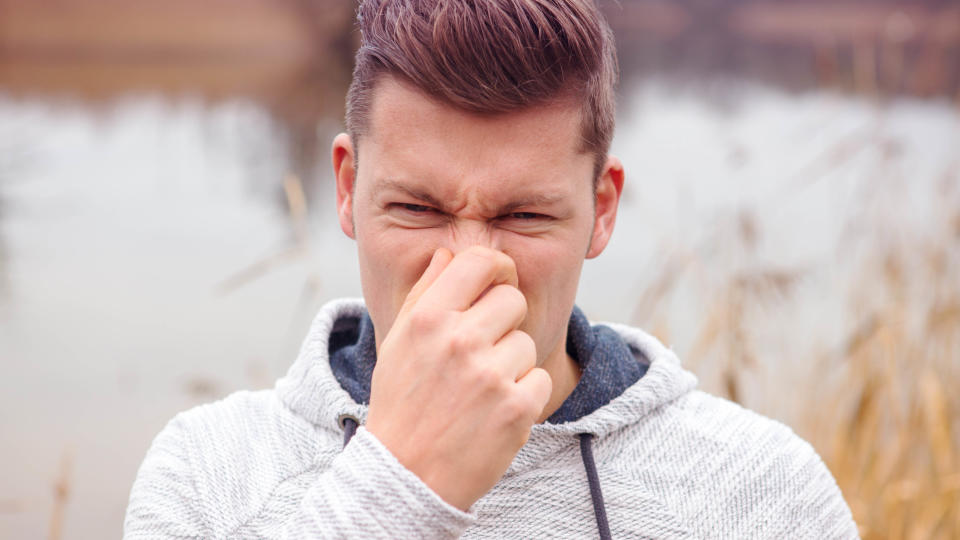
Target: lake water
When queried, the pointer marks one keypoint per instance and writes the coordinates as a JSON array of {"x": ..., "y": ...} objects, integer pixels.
[{"x": 149, "y": 261}]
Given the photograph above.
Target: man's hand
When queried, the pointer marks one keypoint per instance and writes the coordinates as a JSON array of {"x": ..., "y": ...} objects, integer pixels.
[{"x": 455, "y": 390}]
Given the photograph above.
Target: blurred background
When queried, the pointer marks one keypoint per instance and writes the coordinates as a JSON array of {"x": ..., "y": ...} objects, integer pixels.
[{"x": 790, "y": 226}]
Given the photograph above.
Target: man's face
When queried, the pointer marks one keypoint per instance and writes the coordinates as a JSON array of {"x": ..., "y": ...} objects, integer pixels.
[{"x": 433, "y": 176}]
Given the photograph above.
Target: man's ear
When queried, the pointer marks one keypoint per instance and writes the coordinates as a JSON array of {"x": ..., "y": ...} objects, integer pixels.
[
  {"x": 606, "y": 199},
  {"x": 343, "y": 154}
]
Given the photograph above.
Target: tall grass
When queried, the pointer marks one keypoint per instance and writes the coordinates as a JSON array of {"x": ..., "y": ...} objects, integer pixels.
[
  {"x": 881, "y": 404},
  {"x": 888, "y": 427},
  {"x": 854, "y": 343}
]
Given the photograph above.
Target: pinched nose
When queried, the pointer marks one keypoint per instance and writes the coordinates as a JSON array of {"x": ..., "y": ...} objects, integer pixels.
[{"x": 467, "y": 233}]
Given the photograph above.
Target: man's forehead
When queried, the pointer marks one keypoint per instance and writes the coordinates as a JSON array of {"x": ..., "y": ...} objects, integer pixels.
[
  {"x": 439, "y": 153},
  {"x": 396, "y": 103}
]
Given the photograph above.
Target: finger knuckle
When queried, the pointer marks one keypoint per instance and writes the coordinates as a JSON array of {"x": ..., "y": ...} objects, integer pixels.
[
  {"x": 503, "y": 259},
  {"x": 516, "y": 297},
  {"x": 546, "y": 380},
  {"x": 543, "y": 385},
  {"x": 464, "y": 341},
  {"x": 525, "y": 344},
  {"x": 480, "y": 251},
  {"x": 492, "y": 257},
  {"x": 423, "y": 320},
  {"x": 517, "y": 408},
  {"x": 484, "y": 255},
  {"x": 486, "y": 378}
]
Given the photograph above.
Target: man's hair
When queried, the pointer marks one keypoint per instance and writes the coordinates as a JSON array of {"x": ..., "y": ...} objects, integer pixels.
[{"x": 491, "y": 57}]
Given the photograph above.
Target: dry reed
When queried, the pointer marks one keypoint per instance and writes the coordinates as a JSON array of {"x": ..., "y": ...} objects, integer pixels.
[
  {"x": 882, "y": 409},
  {"x": 880, "y": 404},
  {"x": 61, "y": 495},
  {"x": 888, "y": 428}
]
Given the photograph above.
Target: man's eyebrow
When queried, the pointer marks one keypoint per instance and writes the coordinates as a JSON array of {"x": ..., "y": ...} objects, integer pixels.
[
  {"x": 534, "y": 200},
  {"x": 527, "y": 200},
  {"x": 419, "y": 194}
]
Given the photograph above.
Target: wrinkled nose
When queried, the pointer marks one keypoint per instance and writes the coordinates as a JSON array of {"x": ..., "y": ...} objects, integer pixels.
[{"x": 466, "y": 233}]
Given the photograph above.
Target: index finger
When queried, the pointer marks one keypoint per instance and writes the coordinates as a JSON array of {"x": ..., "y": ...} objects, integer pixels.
[
  {"x": 438, "y": 262},
  {"x": 469, "y": 274}
]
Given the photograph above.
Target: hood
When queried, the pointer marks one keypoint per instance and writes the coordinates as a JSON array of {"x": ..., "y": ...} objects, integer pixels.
[{"x": 311, "y": 390}]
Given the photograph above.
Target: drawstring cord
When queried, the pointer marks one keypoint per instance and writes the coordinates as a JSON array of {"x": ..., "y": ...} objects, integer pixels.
[
  {"x": 349, "y": 425},
  {"x": 600, "y": 511}
]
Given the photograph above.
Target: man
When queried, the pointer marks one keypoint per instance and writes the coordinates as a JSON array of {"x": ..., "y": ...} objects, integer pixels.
[{"x": 467, "y": 396}]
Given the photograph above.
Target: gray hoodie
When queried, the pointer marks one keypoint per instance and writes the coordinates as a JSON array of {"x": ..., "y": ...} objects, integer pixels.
[{"x": 672, "y": 462}]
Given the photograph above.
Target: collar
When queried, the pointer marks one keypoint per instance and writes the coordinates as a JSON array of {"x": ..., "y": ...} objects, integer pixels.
[{"x": 608, "y": 366}]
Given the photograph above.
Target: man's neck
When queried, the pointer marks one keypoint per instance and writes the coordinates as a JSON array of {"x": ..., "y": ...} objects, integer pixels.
[{"x": 565, "y": 374}]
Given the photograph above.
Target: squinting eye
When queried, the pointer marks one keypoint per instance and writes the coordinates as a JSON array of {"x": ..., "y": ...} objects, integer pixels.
[
  {"x": 415, "y": 208},
  {"x": 526, "y": 216}
]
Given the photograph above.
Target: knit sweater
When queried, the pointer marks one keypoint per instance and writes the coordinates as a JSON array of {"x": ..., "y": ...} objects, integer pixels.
[{"x": 673, "y": 462}]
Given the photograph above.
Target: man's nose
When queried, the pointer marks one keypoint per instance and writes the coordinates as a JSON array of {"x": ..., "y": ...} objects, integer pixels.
[{"x": 466, "y": 233}]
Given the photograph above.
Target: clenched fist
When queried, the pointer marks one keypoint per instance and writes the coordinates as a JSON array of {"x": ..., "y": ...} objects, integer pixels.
[{"x": 456, "y": 389}]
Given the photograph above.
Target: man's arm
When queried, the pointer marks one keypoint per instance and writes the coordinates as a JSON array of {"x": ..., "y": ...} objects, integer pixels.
[
  {"x": 365, "y": 493},
  {"x": 454, "y": 395},
  {"x": 164, "y": 502}
]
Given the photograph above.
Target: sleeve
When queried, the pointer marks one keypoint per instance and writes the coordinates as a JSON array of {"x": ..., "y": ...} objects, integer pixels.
[
  {"x": 163, "y": 501},
  {"x": 366, "y": 493}
]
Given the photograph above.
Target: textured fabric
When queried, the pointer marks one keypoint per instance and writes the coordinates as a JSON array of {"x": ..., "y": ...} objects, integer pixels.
[
  {"x": 353, "y": 355},
  {"x": 608, "y": 366},
  {"x": 673, "y": 462}
]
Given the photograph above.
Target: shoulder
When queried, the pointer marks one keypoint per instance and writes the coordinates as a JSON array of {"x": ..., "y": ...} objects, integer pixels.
[
  {"x": 220, "y": 462},
  {"x": 715, "y": 432},
  {"x": 726, "y": 424},
  {"x": 756, "y": 475},
  {"x": 252, "y": 431},
  {"x": 242, "y": 412}
]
